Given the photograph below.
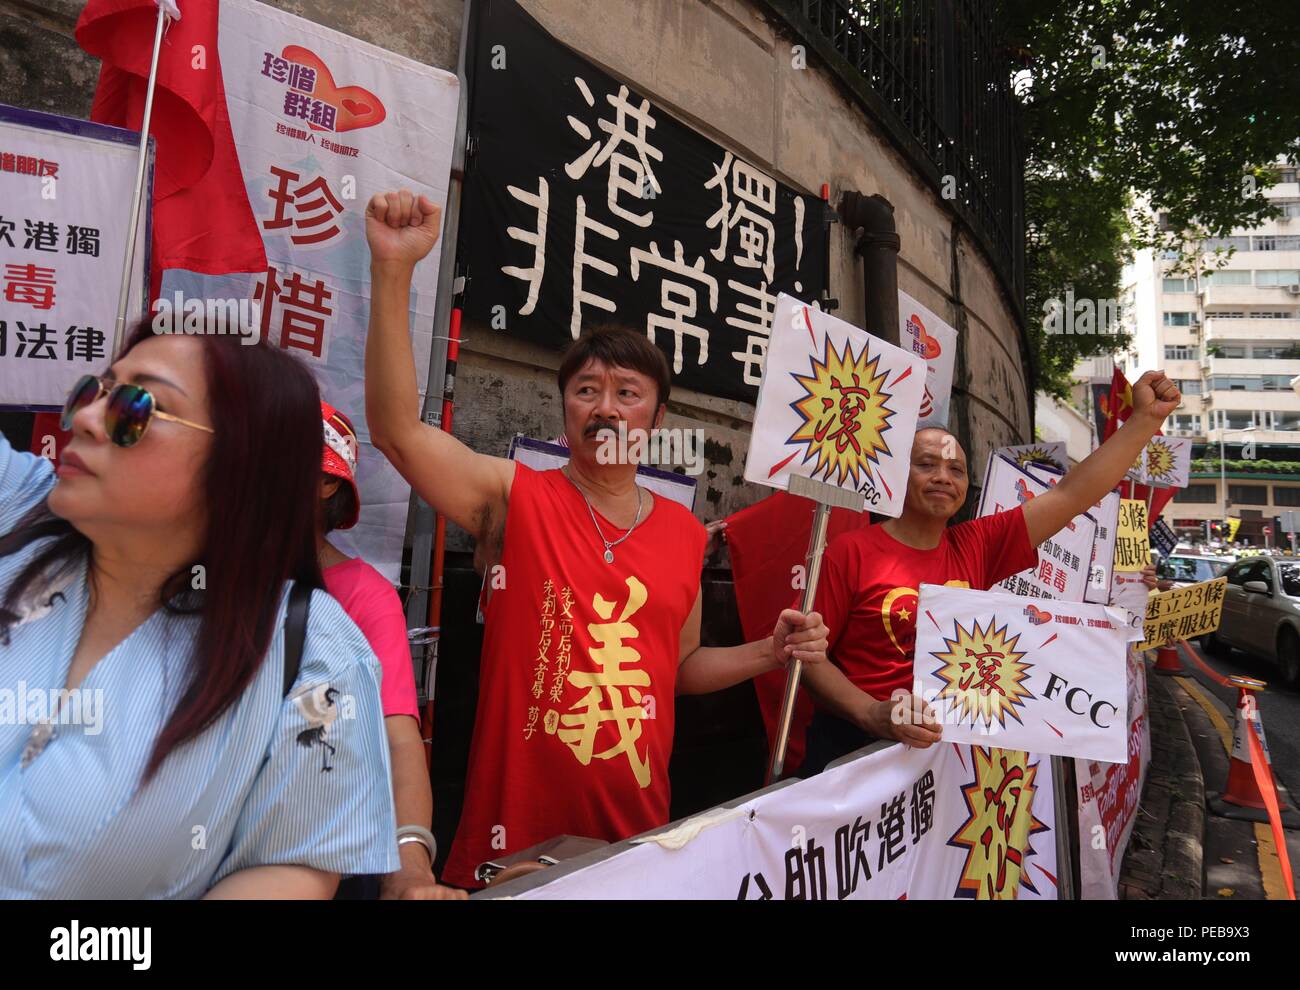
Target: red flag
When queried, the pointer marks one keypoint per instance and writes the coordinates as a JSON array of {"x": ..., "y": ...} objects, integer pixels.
[
  {"x": 767, "y": 541},
  {"x": 1119, "y": 405},
  {"x": 202, "y": 219},
  {"x": 1118, "y": 408}
]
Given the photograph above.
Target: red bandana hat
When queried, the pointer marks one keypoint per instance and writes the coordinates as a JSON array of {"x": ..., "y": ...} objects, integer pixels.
[{"x": 339, "y": 457}]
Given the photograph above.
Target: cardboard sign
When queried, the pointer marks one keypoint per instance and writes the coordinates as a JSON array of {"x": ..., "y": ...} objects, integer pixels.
[
  {"x": 1106, "y": 515},
  {"x": 1163, "y": 538},
  {"x": 1132, "y": 543},
  {"x": 1129, "y": 592},
  {"x": 1166, "y": 462},
  {"x": 1063, "y": 560},
  {"x": 65, "y": 186},
  {"x": 936, "y": 343},
  {"x": 1052, "y": 455},
  {"x": 836, "y": 405},
  {"x": 1047, "y": 677},
  {"x": 1184, "y": 613}
]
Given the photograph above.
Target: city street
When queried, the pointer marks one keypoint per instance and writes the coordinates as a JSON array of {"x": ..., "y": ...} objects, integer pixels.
[{"x": 1238, "y": 860}]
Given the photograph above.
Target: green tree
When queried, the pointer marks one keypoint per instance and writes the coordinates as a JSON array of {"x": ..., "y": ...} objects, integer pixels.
[{"x": 1146, "y": 126}]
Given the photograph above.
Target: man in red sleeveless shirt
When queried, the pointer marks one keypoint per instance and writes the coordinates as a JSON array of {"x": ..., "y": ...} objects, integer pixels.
[
  {"x": 593, "y": 625},
  {"x": 870, "y": 577}
]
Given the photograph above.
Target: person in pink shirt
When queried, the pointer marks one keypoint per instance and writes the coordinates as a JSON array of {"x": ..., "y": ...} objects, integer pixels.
[{"x": 372, "y": 603}]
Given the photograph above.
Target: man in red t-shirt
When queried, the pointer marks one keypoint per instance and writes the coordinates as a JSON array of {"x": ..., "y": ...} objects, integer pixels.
[
  {"x": 870, "y": 577},
  {"x": 593, "y": 625}
]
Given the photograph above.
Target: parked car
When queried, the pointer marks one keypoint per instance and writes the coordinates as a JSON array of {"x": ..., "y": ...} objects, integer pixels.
[
  {"x": 1186, "y": 568},
  {"x": 1261, "y": 613}
]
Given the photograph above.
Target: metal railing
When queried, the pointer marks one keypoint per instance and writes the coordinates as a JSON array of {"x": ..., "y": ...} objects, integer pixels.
[{"x": 930, "y": 73}]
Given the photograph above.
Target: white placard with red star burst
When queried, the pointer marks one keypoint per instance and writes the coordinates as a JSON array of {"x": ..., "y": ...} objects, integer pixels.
[
  {"x": 1051, "y": 454},
  {"x": 1167, "y": 461},
  {"x": 836, "y": 405},
  {"x": 1046, "y": 676}
]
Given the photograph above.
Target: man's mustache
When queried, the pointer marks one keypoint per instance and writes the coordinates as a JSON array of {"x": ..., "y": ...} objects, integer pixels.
[{"x": 593, "y": 428}]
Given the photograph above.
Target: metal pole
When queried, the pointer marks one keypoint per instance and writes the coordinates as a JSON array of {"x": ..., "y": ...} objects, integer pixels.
[
  {"x": 816, "y": 544},
  {"x": 128, "y": 261},
  {"x": 1223, "y": 482},
  {"x": 1065, "y": 808},
  {"x": 827, "y": 497},
  {"x": 423, "y": 522}
]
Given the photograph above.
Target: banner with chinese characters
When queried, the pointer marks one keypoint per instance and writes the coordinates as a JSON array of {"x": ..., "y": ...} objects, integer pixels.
[
  {"x": 1108, "y": 795},
  {"x": 1184, "y": 613},
  {"x": 586, "y": 204},
  {"x": 1003, "y": 670},
  {"x": 1064, "y": 560},
  {"x": 1050, "y": 454},
  {"x": 837, "y": 405},
  {"x": 1105, "y": 514},
  {"x": 323, "y": 121},
  {"x": 1163, "y": 538},
  {"x": 898, "y": 823},
  {"x": 65, "y": 201},
  {"x": 1133, "y": 542},
  {"x": 936, "y": 342}
]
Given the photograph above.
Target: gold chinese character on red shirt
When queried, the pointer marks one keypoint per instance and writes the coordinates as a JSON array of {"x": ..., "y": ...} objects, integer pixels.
[{"x": 578, "y": 728}]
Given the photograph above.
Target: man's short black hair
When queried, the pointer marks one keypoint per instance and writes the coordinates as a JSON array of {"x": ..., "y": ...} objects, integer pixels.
[{"x": 617, "y": 347}]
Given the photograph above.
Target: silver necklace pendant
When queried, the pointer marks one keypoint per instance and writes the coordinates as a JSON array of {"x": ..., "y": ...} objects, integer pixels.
[{"x": 609, "y": 555}]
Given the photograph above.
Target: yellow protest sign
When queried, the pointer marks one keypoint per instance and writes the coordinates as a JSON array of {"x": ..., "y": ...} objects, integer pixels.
[
  {"x": 1132, "y": 542},
  {"x": 1233, "y": 526},
  {"x": 1183, "y": 614}
]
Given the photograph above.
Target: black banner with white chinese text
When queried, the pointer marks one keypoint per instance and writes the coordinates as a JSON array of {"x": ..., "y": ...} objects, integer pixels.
[{"x": 587, "y": 204}]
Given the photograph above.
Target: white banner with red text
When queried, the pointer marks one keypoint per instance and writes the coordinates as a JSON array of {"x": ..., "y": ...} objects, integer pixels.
[
  {"x": 898, "y": 823},
  {"x": 1108, "y": 795},
  {"x": 65, "y": 203},
  {"x": 323, "y": 121}
]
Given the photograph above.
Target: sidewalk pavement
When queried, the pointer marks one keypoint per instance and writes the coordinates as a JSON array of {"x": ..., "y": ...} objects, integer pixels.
[{"x": 1164, "y": 856}]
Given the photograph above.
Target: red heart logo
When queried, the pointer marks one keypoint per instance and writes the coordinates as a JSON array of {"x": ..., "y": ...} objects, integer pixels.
[
  {"x": 354, "y": 106},
  {"x": 931, "y": 345}
]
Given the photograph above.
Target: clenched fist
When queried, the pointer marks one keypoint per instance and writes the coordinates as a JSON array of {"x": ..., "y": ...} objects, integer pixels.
[
  {"x": 401, "y": 227},
  {"x": 1155, "y": 396}
]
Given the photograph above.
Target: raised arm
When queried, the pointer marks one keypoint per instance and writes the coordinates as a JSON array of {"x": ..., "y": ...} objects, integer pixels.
[
  {"x": 468, "y": 488},
  {"x": 1154, "y": 398}
]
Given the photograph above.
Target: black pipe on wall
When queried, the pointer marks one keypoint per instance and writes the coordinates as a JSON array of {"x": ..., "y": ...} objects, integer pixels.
[{"x": 871, "y": 218}]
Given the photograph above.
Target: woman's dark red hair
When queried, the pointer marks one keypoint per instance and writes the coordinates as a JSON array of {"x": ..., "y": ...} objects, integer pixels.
[{"x": 260, "y": 486}]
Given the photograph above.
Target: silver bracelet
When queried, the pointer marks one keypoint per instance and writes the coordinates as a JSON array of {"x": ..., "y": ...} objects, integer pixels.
[{"x": 417, "y": 833}]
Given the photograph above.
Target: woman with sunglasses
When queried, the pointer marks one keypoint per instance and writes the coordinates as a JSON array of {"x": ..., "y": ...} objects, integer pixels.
[{"x": 147, "y": 586}]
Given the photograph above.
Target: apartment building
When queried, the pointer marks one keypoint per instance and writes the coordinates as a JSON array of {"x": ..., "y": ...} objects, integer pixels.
[{"x": 1231, "y": 339}]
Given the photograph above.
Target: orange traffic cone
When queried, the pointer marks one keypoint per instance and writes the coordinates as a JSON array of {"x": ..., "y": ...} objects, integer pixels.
[
  {"x": 1167, "y": 661},
  {"x": 1241, "y": 798}
]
